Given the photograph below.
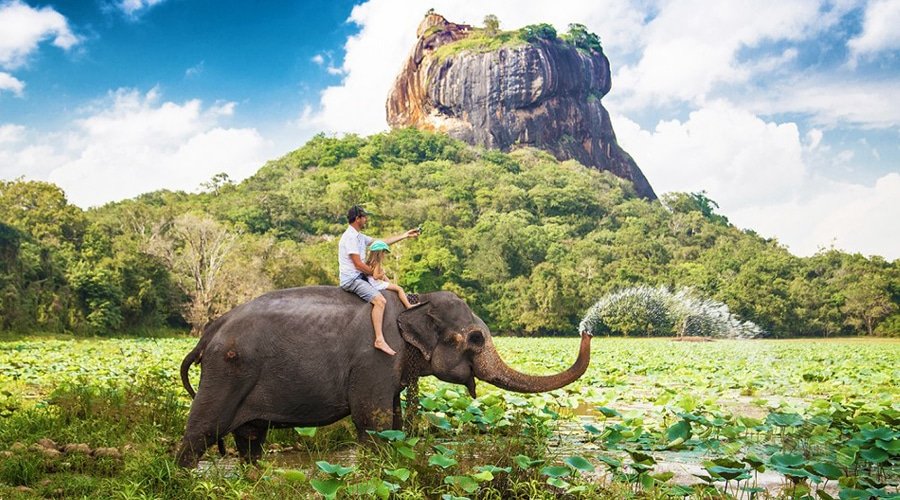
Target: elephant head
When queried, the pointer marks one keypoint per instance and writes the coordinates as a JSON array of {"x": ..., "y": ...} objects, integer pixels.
[{"x": 457, "y": 347}]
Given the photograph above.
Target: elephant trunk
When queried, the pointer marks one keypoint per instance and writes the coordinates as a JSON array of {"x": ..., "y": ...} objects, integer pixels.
[{"x": 490, "y": 368}]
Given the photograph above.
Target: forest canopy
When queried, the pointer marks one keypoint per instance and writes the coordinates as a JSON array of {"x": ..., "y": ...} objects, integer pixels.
[{"x": 530, "y": 242}]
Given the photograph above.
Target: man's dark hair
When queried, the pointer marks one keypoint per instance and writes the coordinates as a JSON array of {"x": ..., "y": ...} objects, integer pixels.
[{"x": 355, "y": 212}]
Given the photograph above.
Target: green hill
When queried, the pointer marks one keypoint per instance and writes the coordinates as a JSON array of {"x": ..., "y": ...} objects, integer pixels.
[{"x": 528, "y": 241}]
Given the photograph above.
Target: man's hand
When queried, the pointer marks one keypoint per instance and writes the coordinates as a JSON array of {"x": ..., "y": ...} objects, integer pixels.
[{"x": 412, "y": 233}]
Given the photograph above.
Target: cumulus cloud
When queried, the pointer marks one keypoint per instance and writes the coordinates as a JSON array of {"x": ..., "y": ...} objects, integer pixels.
[
  {"x": 135, "y": 7},
  {"x": 848, "y": 216},
  {"x": 132, "y": 143},
  {"x": 832, "y": 102},
  {"x": 879, "y": 30},
  {"x": 757, "y": 172},
  {"x": 735, "y": 156},
  {"x": 694, "y": 45},
  {"x": 11, "y": 84},
  {"x": 23, "y": 28}
]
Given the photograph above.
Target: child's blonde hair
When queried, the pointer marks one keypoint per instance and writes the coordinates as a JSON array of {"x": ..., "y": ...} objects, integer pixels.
[{"x": 375, "y": 260}]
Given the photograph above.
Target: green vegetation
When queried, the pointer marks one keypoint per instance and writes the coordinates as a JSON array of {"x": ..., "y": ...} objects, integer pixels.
[
  {"x": 528, "y": 241},
  {"x": 491, "y": 38},
  {"x": 81, "y": 418}
]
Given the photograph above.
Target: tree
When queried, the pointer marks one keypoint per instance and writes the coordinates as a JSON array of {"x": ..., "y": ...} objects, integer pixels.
[
  {"x": 579, "y": 36},
  {"x": 491, "y": 25},
  {"x": 535, "y": 32},
  {"x": 196, "y": 249}
]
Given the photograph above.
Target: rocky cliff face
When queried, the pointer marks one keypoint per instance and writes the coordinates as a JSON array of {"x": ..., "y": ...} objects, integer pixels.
[{"x": 544, "y": 94}]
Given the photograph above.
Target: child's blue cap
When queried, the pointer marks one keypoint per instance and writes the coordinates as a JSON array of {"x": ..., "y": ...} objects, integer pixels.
[{"x": 379, "y": 245}]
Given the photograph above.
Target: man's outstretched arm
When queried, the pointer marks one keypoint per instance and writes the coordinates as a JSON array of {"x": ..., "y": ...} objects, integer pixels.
[{"x": 412, "y": 233}]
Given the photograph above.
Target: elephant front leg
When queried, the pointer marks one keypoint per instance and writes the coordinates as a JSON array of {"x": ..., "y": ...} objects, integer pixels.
[{"x": 373, "y": 414}]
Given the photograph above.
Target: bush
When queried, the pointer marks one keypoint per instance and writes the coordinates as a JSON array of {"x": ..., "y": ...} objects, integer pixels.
[{"x": 535, "y": 32}]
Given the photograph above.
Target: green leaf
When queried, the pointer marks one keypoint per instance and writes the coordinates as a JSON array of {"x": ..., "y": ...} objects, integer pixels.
[
  {"x": 555, "y": 471},
  {"x": 557, "y": 482},
  {"x": 391, "y": 435},
  {"x": 854, "y": 494},
  {"x": 443, "y": 450},
  {"x": 892, "y": 446},
  {"x": 882, "y": 433},
  {"x": 663, "y": 476},
  {"x": 335, "y": 469},
  {"x": 787, "y": 459},
  {"x": 294, "y": 476},
  {"x": 402, "y": 474},
  {"x": 366, "y": 488},
  {"x": 438, "y": 421},
  {"x": 306, "y": 431},
  {"x": 525, "y": 462},
  {"x": 328, "y": 487},
  {"x": 613, "y": 463},
  {"x": 608, "y": 412},
  {"x": 442, "y": 461},
  {"x": 785, "y": 419},
  {"x": 591, "y": 429},
  {"x": 846, "y": 456},
  {"x": 483, "y": 476},
  {"x": 579, "y": 463},
  {"x": 493, "y": 469},
  {"x": 826, "y": 470},
  {"x": 466, "y": 483},
  {"x": 874, "y": 455},
  {"x": 680, "y": 430},
  {"x": 406, "y": 451}
]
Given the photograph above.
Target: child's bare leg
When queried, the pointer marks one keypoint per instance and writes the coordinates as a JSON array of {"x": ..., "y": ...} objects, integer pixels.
[{"x": 401, "y": 293}]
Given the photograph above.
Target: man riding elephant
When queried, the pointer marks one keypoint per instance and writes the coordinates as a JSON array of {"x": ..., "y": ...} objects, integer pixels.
[{"x": 354, "y": 271}]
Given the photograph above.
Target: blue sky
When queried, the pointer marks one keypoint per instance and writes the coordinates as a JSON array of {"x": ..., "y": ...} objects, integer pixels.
[{"x": 786, "y": 113}]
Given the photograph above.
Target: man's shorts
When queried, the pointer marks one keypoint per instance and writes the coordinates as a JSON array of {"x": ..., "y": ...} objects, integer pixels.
[{"x": 362, "y": 288}]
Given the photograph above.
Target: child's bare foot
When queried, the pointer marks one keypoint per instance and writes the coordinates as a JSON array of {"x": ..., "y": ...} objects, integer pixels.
[{"x": 384, "y": 347}]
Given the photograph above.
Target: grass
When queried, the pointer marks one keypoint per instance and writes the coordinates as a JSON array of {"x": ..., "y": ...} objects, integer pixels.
[{"x": 798, "y": 406}]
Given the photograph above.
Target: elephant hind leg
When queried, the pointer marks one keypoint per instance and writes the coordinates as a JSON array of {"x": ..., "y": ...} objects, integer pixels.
[{"x": 249, "y": 439}]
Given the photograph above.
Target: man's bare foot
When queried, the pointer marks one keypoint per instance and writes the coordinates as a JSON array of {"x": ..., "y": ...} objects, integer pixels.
[{"x": 384, "y": 347}]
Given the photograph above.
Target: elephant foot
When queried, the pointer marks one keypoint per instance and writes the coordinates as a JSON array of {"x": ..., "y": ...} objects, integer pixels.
[{"x": 249, "y": 440}]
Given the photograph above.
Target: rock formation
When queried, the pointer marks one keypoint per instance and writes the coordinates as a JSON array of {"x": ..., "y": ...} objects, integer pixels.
[{"x": 544, "y": 94}]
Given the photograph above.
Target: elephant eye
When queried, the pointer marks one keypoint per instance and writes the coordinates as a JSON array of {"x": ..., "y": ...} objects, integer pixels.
[{"x": 476, "y": 339}]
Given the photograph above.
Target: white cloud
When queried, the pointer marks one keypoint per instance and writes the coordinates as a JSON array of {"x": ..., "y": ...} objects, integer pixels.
[
  {"x": 849, "y": 216},
  {"x": 22, "y": 28},
  {"x": 832, "y": 101},
  {"x": 735, "y": 156},
  {"x": 134, "y": 7},
  {"x": 11, "y": 84},
  {"x": 880, "y": 31},
  {"x": 318, "y": 59},
  {"x": 693, "y": 46},
  {"x": 11, "y": 133},
  {"x": 755, "y": 170},
  {"x": 195, "y": 70},
  {"x": 134, "y": 143}
]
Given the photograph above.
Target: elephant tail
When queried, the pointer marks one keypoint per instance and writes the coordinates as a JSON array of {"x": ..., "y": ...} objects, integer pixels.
[
  {"x": 185, "y": 367},
  {"x": 196, "y": 354}
]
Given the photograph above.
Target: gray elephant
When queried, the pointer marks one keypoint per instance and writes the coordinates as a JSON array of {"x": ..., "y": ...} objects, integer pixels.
[{"x": 303, "y": 357}]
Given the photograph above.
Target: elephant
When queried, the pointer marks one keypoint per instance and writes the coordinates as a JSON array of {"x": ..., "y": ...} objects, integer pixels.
[{"x": 303, "y": 357}]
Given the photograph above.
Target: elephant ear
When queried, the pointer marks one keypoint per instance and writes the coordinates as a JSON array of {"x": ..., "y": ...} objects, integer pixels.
[{"x": 419, "y": 327}]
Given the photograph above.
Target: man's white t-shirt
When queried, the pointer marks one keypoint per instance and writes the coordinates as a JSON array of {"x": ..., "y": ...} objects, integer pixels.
[{"x": 352, "y": 241}]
